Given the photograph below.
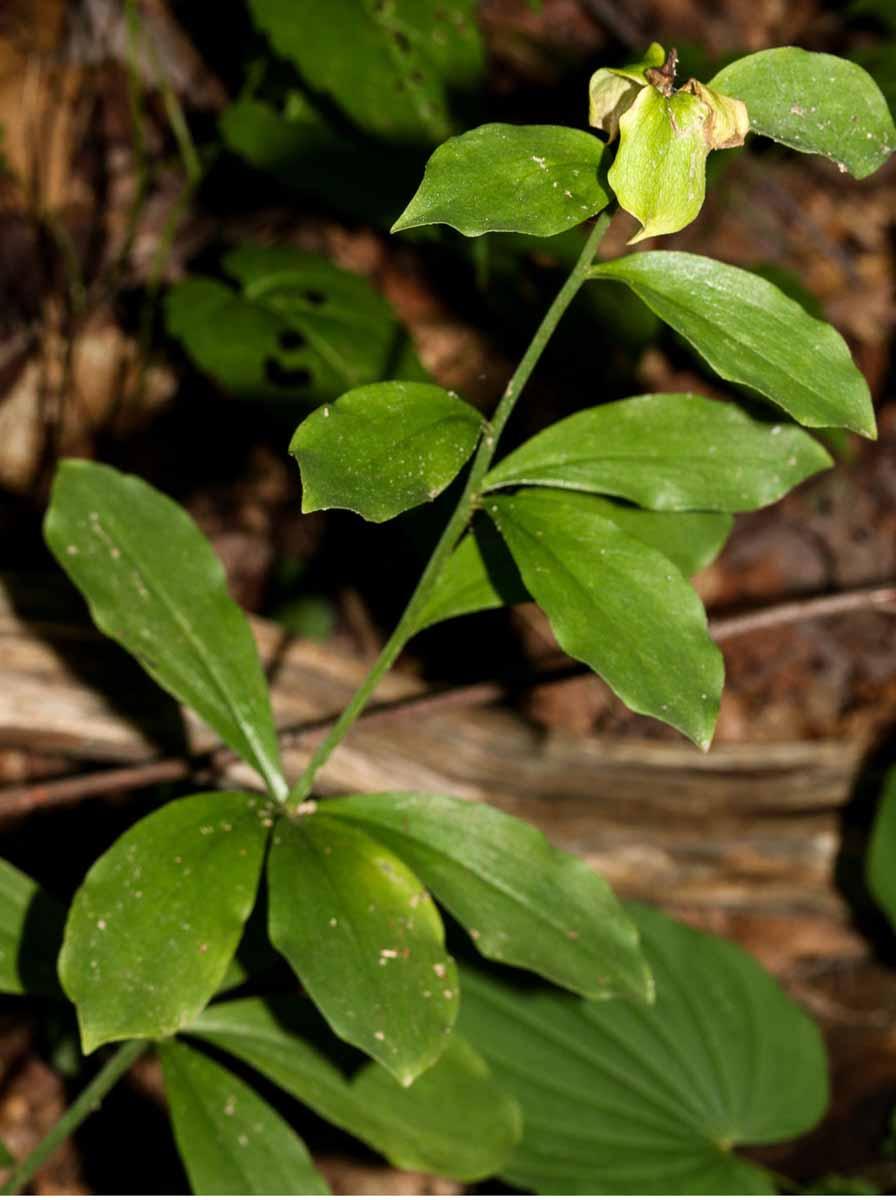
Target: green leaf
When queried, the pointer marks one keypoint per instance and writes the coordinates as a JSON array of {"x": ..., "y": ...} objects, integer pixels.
[
  {"x": 154, "y": 584},
  {"x": 689, "y": 540},
  {"x": 392, "y": 67},
  {"x": 659, "y": 173},
  {"x": 231, "y": 1141},
  {"x": 153, "y": 927},
  {"x": 631, "y": 1099},
  {"x": 365, "y": 939},
  {"x": 296, "y": 332},
  {"x": 525, "y": 902},
  {"x": 382, "y": 449},
  {"x": 6, "y": 1158},
  {"x": 816, "y": 103},
  {"x": 454, "y": 1120},
  {"x": 667, "y": 452},
  {"x": 616, "y": 604},
  {"x": 31, "y": 924},
  {"x": 534, "y": 179},
  {"x": 752, "y": 334},
  {"x": 308, "y": 154},
  {"x": 881, "y": 863},
  {"x": 481, "y": 574}
]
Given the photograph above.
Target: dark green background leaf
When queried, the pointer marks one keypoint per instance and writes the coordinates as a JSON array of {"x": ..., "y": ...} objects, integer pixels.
[
  {"x": 616, "y": 604},
  {"x": 384, "y": 448},
  {"x": 296, "y": 332},
  {"x": 524, "y": 902},
  {"x": 668, "y": 452},
  {"x": 231, "y": 1141},
  {"x": 534, "y": 179},
  {"x": 392, "y": 67},
  {"x": 751, "y": 333},
  {"x": 152, "y": 929},
  {"x": 816, "y": 103},
  {"x": 155, "y": 585},
  {"x": 296, "y": 144},
  {"x": 626, "y": 1098},
  {"x": 454, "y": 1120},
  {"x": 881, "y": 865},
  {"x": 365, "y": 939},
  {"x": 31, "y": 924}
]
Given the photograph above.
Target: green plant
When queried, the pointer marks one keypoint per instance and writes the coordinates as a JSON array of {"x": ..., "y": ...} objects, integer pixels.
[{"x": 599, "y": 519}]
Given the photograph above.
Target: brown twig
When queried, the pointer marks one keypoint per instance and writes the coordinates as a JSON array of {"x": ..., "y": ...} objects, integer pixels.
[
  {"x": 73, "y": 788},
  {"x": 806, "y": 608}
]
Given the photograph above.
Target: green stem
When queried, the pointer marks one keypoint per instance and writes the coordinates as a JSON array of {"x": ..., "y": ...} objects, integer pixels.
[
  {"x": 89, "y": 1100},
  {"x": 407, "y": 626}
]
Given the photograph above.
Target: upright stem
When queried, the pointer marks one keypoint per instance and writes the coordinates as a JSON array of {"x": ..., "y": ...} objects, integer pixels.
[
  {"x": 87, "y": 1102},
  {"x": 407, "y": 626}
]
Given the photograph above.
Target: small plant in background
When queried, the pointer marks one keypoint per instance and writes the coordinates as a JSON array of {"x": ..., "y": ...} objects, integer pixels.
[{"x": 668, "y": 1048}]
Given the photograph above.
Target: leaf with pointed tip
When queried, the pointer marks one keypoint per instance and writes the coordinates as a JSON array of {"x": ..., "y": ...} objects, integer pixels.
[
  {"x": 232, "y": 1142},
  {"x": 635, "y": 1099},
  {"x": 153, "y": 927},
  {"x": 752, "y": 334},
  {"x": 393, "y": 68},
  {"x": 881, "y": 865},
  {"x": 616, "y": 604},
  {"x": 384, "y": 448},
  {"x": 816, "y": 103},
  {"x": 659, "y": 173},
  {"x": 525, "y": 902},
  {"x": 31, "y": 923},
  {"x": 669, "y": 452},
  {"x": 365, "y": 939},
  {"x": 154, "y": 584},
  {"x": 481, "y": 574},
  {"x": 535, "y": 179},
  {"x": 453, "y": 1120}
]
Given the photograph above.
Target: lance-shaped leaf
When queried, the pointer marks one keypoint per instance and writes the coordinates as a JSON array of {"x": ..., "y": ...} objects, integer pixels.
[
  {"x": 616, "y": 604},
  {"x": 613, "y": 90},
  {"x": 392, "y": 67},
  {"x": 752, "y": 334},
  {"x": 668, "y": 452},
  {"x": 523, "y": 901},
  {"x": 154, "y": 584},
  {"x": 659, "y": 173},
  {"x": 634, "y": 1099},
  {"x": 31, "y": 923},
  {"x": 815, "y": 103},
  {"x": 154, "y": 925},
  {"x": 481, "y": 574},
  {"x": 384, "y": 448},
  {"x": 232, "y": 1142},
  {"x": 365, "y": 939},
  {"x": 535, "y": 179},
  {"x": 453, "y": 1120},
  {"x": 881, "y": 864}
]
